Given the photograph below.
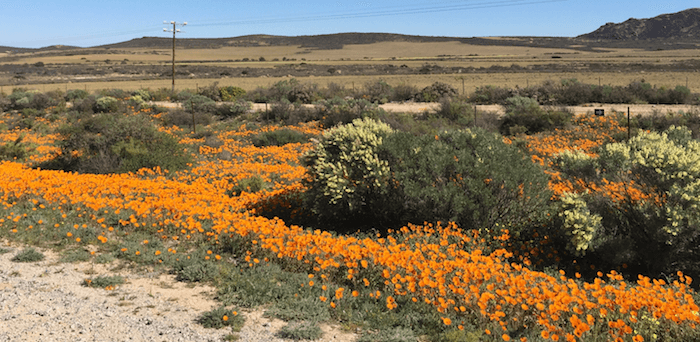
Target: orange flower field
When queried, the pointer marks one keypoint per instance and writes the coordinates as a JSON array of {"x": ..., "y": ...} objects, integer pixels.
[{"x": 438, "y": 264}]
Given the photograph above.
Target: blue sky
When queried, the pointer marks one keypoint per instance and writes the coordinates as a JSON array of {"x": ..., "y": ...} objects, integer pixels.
[{"x": 34, "y": 23}]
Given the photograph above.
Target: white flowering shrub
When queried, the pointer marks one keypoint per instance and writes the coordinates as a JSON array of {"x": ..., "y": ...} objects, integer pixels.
[
  {"x": 652, "y": 219},
  {"x": 580, "y": 224},
  {"x": 575, "y": 163},
  {"x": 345, "y": 174}
]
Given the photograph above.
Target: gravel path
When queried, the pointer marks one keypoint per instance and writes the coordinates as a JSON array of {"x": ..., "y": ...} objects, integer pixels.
[{"x": 45, "y": 301}]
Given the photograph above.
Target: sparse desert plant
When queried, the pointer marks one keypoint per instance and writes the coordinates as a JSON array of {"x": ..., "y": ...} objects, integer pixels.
[
  {"x": 28, "y": 254},
  {"x": 435, "y": 92},
  {"x": 75, "y": 255},
  {"x": 221, "y": 317},
  {"x": 104, "y": 281},
  {"x": 301, "y": 331}
]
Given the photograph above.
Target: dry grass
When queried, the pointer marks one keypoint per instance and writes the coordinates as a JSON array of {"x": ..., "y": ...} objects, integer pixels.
[{"x": 471, "y": 81}]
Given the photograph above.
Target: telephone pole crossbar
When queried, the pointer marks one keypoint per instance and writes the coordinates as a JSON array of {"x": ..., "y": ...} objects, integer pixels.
[{"x": 174, "y": 30}]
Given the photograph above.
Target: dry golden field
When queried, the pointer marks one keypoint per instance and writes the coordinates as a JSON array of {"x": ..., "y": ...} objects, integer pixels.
[{"x": 568, "y": 62}]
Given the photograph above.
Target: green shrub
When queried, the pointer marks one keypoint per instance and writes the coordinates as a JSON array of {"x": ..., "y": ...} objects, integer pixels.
[
  {"x": 457, "y": 111},
  {"x": 194, "y": 269},
  {"x": 233, "y": 109},
  {"x": 104, "y": 281},
  {"x": 377, "y": 92},
  {"x": 301, "y": 331},
  {"x": 231, "y": 93},
  {"x": 75, "y": 94},
  {"x": 4, "y": 250},
  {"x": 654, "y": 226},
  {"x": 15, "y": 150},
  {"x": 106, "y": 104},
  {"x": 221, "y": 317},
  {"x": 279, "y": 137},
  {"x": 144, "y": 94},
  {"x": 181, "y": 118},
  {"x": 199, "y": 103},
  {"x": 345, "y": 174},
  {"x": 288, "y": 113},
  {"x": 75, "y": 255},
  {"x": 341, "y": 111},
  {"x": 403, "y": 92},
  {"x": 28, "y": 255},
  {"x": 250, "y": 185},
  {"x": 108, "y": 143},
  {"x": 396, "y": 334},
  {"x": 470, "y": 177},
  {"x": 435, "y": 92},
  {"x": 526, "y": 112},
  {"x": 490, "y": 95}
]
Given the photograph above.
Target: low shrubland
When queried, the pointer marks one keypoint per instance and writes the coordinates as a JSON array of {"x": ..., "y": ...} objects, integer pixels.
[{"x": 400, "y": 227}]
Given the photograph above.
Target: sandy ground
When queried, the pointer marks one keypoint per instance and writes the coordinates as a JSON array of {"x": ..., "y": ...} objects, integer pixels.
[
  {"x": 418, "y": 107},
  {"x": 45, "y": 301}
]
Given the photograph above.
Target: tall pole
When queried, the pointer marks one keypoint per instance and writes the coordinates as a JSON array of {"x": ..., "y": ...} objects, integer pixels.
[
  {"x": 173, "y": 64},
  {"x": 174, "y": 30}
]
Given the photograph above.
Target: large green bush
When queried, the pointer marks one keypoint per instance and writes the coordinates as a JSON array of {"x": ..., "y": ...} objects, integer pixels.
[
  {"x": 367, "y": 174},
  {"x": 345, "y": 174},
  {"x": 524, "y": 113},
  {"x": 468, "y": 176},
  {"x": 108, "y": 143}
]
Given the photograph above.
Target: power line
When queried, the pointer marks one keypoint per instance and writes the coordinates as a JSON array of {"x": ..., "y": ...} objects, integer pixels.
[{"x": 382, "y": 13}]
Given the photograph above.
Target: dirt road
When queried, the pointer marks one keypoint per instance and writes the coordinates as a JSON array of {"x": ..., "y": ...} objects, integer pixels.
[{"x": 418, "y": 107}]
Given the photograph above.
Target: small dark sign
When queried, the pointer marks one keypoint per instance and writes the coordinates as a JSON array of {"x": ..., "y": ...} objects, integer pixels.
[{"x": 599, "y": 112}]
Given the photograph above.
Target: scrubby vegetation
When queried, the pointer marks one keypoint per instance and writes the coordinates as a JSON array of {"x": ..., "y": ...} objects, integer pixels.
[{"x": 537, "y": 225}]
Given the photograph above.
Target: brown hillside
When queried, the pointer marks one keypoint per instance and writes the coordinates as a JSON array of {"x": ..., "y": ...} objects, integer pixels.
[{"x": 681, "y": 25}]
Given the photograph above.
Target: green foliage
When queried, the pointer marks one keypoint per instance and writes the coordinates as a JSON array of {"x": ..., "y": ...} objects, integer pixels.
[
  {"x": 75, "y": 255},
  {"x": 250, "y": 185},
  {"x": 253, "y": 286},
  {"x": 28, "y": 255},
  {"x": 457, "y": 111},
  {"x": 377, "y": 92},
  {"x": 22, "y": 99},
  {"x": 301, "y": 331},
  {"x": 395, "y": 334},
  {"x": 279, "y": 137},
  {"x": 231, "y": 93},
  {"x": 526, "y": 112},
  {"x": 14, "y": 150},
  {"x": 300, "y": 308},
  {"x": 435, "y": 92},
  {"x": 469, "y": 176},
  {"x": 109, "y": 143},
  {"x": 288, "y": 113},
  {"x": 199, "y": 103},
  {"x": 233, "y": 109},
  {"x": 194, "y": 268},
  {"x": 106, "y": 104},
  {"x": 654, "y": 227},
  {"x": 74, "y": 94},
  {"x": 103, "y": 281},
  {"x": 345, "y": 174},
  {"x": 4, "y": 250},
  {"x": 104, "y": 258},
  {"x": 144, "y": 94},
  {"x": 182, "y": 118},
  {"x": 341, "y": 111},
  {"x": 403, "y": 92},
  {"x": 221, "y": 317}
]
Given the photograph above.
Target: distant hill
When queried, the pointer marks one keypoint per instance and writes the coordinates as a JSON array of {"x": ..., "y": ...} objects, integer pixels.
[
  {"x": 324, "y": 41},
  {"x": 681, "y": 25}
]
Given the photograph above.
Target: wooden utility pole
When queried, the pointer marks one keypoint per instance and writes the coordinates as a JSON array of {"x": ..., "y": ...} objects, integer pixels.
[{"x": 174, "y": 30}]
